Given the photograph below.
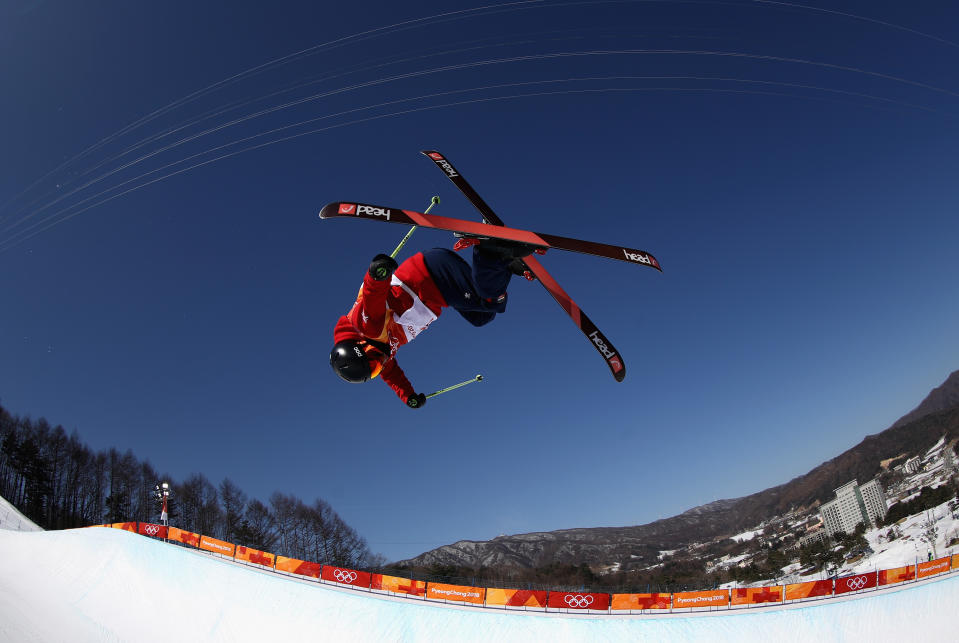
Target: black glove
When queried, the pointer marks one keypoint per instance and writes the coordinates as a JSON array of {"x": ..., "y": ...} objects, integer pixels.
[
  {"x": 382, "y": 267},
  {"x": 416, "y": 401}
]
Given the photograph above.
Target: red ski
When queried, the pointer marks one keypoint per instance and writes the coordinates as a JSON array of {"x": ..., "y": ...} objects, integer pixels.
[
  {"x": 584, "y": 323},
  {"x": 541, "y": 240}
]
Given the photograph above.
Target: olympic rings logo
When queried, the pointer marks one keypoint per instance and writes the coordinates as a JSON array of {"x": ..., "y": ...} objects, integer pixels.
[
  {"x": 578, "y": 601},
  {"x": 152, "y": 530},
  {"x": 344, "y": 576},
  {"x": 856, "y": 583}
]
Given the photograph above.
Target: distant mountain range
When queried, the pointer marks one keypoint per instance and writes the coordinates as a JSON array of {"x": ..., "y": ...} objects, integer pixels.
[{"x": 936, "y": 416}]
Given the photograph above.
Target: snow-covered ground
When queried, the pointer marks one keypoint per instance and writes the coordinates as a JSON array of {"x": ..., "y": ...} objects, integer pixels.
[
  {"x": 747, "y": 535},
  {"x": 110, "y": 585},
  {"x": 936, "y": 447},
  {"x": 909, "y": 547},
  {"x": 12, "y": 519},
  {"x": 912, "y": 546},
  {"x": 913, "y": 543}
]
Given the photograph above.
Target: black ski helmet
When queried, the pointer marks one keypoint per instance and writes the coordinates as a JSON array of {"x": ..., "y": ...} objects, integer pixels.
[{"x": 350, "y": 362}]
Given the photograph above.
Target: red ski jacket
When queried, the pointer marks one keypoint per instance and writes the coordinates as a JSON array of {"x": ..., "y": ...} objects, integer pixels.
[{"x": 393, "y": 313}]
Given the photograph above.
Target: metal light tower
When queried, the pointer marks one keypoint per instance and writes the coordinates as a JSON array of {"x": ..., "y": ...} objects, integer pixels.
[{"x": 162, "y": 493}]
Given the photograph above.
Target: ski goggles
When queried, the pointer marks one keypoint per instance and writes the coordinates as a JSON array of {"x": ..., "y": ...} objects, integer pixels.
[{"x": 375, "y": 357}]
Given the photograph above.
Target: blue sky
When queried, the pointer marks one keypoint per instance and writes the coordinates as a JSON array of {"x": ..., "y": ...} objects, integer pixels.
[{"x": 792, "y": 166}]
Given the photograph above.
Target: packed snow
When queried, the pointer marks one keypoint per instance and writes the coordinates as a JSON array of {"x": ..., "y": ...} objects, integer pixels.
[
  {"x": 12, "y": 519},
  {"x": 103, "y": 584}
]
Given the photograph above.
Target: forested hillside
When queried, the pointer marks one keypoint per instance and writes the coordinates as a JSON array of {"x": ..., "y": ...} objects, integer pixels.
[{"x": 59, "y": 482}]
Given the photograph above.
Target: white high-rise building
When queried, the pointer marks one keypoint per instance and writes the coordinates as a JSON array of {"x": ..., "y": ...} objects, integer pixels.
[
  {"x": 853, "y": 505},
  {"x": 875, "y": 501}
]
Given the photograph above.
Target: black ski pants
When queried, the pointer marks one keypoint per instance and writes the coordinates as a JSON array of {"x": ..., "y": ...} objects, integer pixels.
[{"x": 477, "y": 292}]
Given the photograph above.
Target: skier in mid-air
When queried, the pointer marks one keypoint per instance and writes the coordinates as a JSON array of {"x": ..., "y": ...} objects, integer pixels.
[
  {"x": 398, "y": 302},
  {"x": 388, "y": 314}
]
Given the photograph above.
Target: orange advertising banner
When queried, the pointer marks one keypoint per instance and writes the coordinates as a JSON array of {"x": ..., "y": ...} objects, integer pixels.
[
  {"x": 955, "y": 561},
  {"x": 149, "y": 529},
  {"x": 641, "y": 601},
  {"x": 216, "y": 546},
  {"x": 713, "y": 598},
  {"x": 578, "y": 600},
  {"x": 398, "y": 585},
  {"x": 187, "y": 537},
  {"x": 297, "y": 566},
  {"x": 846, "y": 584},
  {"x": 346, "y": 576},
  {"x": 125, "y": 526},
  {"x": 460, "y": 593},
  {"x": 255, "y": 556},
  {"x": 934, "y": 567},
  {"x": 811, "y": 589},
  {"x": 756, "y": 595},
  {"x": 515, "y": 597},
  {"x": 897, "y": 575}
]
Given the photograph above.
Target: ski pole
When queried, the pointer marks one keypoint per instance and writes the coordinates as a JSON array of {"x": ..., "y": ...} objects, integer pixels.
[
  {"x": 478, "y": 378},
  {"x": 433, "y": 202}
]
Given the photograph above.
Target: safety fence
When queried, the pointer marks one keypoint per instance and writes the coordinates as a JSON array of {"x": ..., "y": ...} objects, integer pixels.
[{"x": 549, "y": 600}]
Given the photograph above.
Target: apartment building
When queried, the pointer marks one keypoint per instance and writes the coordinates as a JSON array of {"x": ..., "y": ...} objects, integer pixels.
[{"x": 853, "y": 505}]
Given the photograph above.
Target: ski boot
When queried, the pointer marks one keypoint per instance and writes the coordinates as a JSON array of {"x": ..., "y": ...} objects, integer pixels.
[
  {"x": 517, "y": 267},
  {"x": 501, "y": 249}
]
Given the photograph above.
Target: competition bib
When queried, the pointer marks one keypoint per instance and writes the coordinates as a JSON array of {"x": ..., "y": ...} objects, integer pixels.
[{"x": 414, "y": 319}]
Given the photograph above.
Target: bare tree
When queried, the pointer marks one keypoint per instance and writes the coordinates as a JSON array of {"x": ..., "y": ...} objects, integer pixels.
[
  {"x": 123, "y": 476},
  {"x": 930, "y": 531},
  {"x": 289, "y": 527},
  {"x": 234, "y": 504},
  {"x": 144, "y": 503},
  {"x": 197, "y": 506},
  {"x": 257, "y": 529}
]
